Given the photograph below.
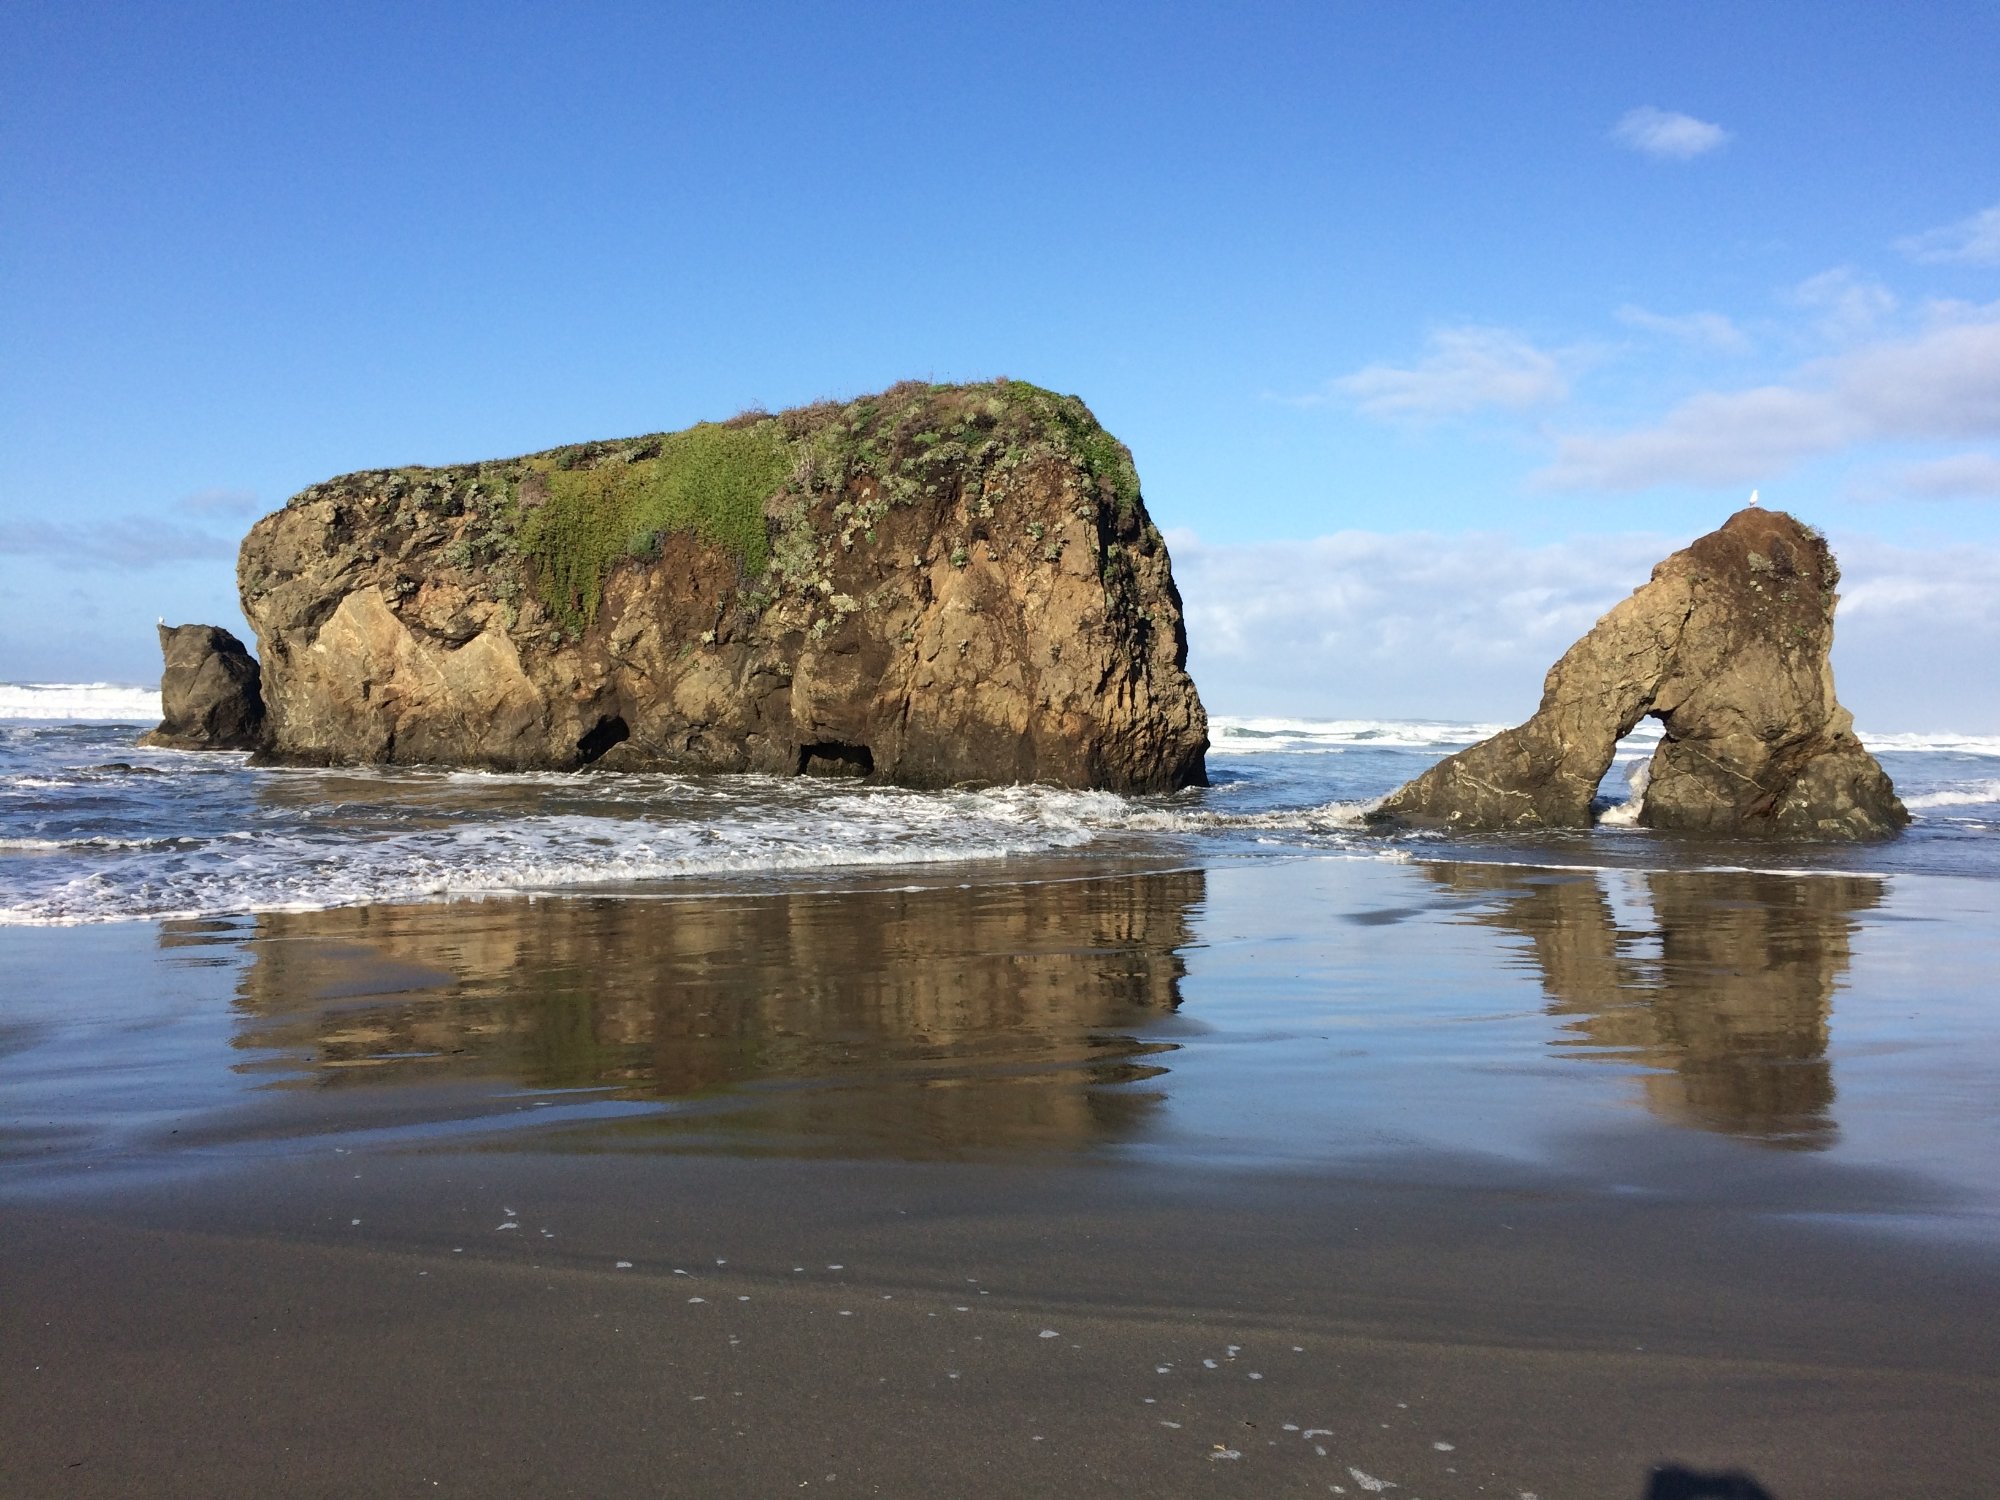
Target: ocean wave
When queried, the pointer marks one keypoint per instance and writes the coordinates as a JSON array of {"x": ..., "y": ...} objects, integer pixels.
[
  {"x": 100, "y": 841},
  {"x": 1329, "y": 817},
  {"x": 1974, "y": 794},
  {"x": 613, "y": 832},
  {"x": 1931, "y": 744},
  {"x": 1230, "y": 734},
  {"x": 80, "y": 702},
  {"x": 112, "y": 879},
  {"x": 92, "y": 830},
  {"x": 1234, "y": 734}
]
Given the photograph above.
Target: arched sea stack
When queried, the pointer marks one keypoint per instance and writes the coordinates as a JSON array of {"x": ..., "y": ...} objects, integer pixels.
[
  {"x": 937, "y": 585},
  {"x": 1727, "y": 647}
]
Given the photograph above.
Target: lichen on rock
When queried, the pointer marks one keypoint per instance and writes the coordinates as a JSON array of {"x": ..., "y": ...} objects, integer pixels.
[
  {"x": 1727, "y": 646},
  {"x": 947, "y": 583}
]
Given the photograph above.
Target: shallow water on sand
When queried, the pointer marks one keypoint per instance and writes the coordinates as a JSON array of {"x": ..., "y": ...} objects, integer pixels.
[{"x": 1815, "y": 1044}]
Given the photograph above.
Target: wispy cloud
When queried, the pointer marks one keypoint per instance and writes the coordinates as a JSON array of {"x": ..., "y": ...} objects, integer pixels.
[
  {"x": 1943, "y": 383},
  {"x": 221, "y": 502},
  {"x": 1665, "y": 135},
  {"x": 1393, "y": 623},
  {"x": 1846, "y": 305},
  {"x": 1936, "y": 598},
  {"x": 1973, "y": 241},
  {"x": 1960, "y": 476},
  {"x": 1708, "y": 330},
  {"x": 120, "y": 542},
  {"x": 1467, "y": 368},
  {"x": 1451, "y": 626}
]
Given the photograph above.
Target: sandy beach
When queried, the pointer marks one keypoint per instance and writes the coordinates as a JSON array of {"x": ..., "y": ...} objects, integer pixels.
[{"x": 1305, "y": 1176}]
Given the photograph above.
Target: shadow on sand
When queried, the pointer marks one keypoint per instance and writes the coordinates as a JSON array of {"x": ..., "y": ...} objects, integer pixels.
[{"x": 1672, "y": 1482}]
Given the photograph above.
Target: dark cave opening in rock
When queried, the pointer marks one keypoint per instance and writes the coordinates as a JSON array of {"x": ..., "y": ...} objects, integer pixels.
[
  {"x": 831, "y": 758},
  {"x": 600, "y": 737}
]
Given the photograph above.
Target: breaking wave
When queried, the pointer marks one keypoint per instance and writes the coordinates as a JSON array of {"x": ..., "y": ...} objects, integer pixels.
[
  {"x": 1976, "y": 794},
  {"x": 80, "y": 702},
  {"x": 1229, "y": 734},
  {"x": 93, "y": 828}
]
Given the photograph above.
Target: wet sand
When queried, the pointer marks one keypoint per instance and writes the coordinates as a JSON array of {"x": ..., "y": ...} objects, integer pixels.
[{"x": 1267, "y": 1178}]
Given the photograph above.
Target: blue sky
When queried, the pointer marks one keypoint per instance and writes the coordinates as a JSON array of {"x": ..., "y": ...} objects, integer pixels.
[{"x": 1430, "y": 326}]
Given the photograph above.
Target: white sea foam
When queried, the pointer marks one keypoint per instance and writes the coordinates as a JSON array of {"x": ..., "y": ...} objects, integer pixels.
[
  {"x": 1230, "y": 734},
  {"x": 93, "y": 830},
  {"x": 1972, "y": 794},
  {"x": 399, "y": 841},
  {"x": 1940, "y": 743},
  {"x": 1233, "y": 734},
  {"x": 1626, "y": 814},
  {"x": 1326, "y": 818},
  {"x": 99, "y": 841},
  {"x": 299, "y": 868},
  {"x": 80, "y": 702}
]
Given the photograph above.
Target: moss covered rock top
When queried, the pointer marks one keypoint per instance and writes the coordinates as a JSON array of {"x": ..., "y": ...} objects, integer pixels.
[{"x": 560, "y": 520}]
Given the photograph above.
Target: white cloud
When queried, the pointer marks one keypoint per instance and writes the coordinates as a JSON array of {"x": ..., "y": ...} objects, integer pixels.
[
  {"x": 1465, "y": 626},
  {"x": 1942, "y": 383},
  {"x": 1710, "y": 330},
  {"x": 1973, "y": 241},
  {"x": 1960, "y": 476},
  {"x": 1467, "y": 368},
  {"x": 1665, "y": 135},
  {"x": 1848, "y": 304},
  {"x": 1711, "y": 439},
  {"x": 1920, "y": 591},
  {"x": 1413, "y": 624},
  {"x": 1938, "y": 606}
]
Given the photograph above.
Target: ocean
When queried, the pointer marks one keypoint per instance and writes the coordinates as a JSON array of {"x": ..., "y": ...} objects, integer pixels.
[{"x": 93, "y": 829}]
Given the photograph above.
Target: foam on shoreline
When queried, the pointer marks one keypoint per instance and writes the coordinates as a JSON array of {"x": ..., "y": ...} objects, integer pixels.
[{"x": 96, "y": 829}]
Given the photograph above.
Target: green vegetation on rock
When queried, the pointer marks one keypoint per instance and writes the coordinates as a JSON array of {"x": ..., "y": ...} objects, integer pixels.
[
  {"x": 605, "y": 502},
  {"x": 709, "y": 480},
  {"x": 1108, "y": 461},
  {"x": 780, "y": 493}
]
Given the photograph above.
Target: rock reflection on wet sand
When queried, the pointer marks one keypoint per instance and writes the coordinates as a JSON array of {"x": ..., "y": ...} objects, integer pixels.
[
  {"x": 915, "y": 1021},
  {"x": 1722, "y": 986}
]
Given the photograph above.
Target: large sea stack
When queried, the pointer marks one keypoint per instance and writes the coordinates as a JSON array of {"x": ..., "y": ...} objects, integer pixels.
[
  {"x": 937, "y": 585},
  {"x": 1727, "y": 647}
]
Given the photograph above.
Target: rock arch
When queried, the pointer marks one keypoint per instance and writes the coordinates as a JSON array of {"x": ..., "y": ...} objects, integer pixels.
[{"x": 1727, "y": 647}]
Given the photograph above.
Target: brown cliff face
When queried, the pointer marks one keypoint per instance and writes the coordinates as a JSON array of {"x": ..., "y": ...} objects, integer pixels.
[
  {"x": 936, "y": 585},
  {"x": 1727, "y": 647}
]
